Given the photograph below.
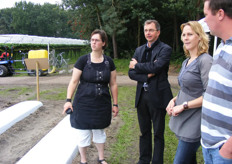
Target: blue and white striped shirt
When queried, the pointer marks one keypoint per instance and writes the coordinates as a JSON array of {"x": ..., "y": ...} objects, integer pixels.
[{"x": 216, "y": 122}]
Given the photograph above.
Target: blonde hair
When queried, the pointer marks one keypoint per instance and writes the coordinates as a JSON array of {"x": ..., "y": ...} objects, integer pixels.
[{"x": 203, "y": 44}]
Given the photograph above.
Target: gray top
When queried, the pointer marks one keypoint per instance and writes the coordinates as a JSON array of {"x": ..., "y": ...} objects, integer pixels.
[{"x": 193, "y": 80}]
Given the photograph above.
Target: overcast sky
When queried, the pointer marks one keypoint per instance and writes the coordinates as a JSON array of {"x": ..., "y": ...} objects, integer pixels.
[{"x": 11, "y": 3}]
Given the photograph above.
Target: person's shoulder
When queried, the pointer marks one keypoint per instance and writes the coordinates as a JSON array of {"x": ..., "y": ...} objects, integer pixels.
[
  {"x": 142, "y": 46},
  {"x": 165, "y": 48},
  {"x": 205, "y": 56},
  {"x": 205, "y": 60},
  {"x": 83, "y": 57},
  {"x": 164, "y": 44},
  {"x": 110, "y": 61},
  {"x": 108, "y": 57}
]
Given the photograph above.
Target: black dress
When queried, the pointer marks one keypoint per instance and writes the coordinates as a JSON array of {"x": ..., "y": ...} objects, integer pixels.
[{"x": 92, "y": 102}]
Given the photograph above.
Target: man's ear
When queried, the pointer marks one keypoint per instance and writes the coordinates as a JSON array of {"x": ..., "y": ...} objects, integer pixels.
[{"x": 221, "y": 14}]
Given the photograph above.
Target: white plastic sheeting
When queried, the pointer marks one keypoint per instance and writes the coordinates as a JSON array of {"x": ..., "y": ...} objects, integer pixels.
[
  {"x": 204, "y": 25},
  {"x": 16, "y": 113},
  {"x": 59, "y": 146},
  {"x": 31, "y": 39},
  {"x": 206, "y": 29}
]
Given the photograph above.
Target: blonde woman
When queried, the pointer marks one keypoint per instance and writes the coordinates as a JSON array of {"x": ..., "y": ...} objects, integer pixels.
[{"x": 185, "y": 108}]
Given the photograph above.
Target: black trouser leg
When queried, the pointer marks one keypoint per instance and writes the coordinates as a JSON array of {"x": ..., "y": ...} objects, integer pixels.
[
  {"x": 148, "y": 115},
  {"x": 158, "y": 127},
  {"x": 145, "y": 140}
]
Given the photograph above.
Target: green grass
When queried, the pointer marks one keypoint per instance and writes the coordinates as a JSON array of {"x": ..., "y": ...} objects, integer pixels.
[
  {"x": 122, "y": 65},
  {"x": 125, "y": 149},
  {"x": 18, "y": 90},
  {"x": 58, "y": 94}
]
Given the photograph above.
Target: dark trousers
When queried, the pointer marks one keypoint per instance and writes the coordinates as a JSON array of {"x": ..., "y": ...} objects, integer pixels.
[{"x": 149, "y": 115}]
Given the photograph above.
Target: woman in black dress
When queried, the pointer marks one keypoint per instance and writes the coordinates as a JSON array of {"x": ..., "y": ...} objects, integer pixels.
[{"x": 94, "y": 74}]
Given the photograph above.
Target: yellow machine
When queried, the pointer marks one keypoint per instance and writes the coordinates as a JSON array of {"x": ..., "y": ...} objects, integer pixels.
[
  {"x": 37, "y": 54},
  {"x": 32, "y": 54}
]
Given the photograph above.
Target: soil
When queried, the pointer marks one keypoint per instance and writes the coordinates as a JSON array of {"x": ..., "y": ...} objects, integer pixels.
[{"x": 20, "y": 138}]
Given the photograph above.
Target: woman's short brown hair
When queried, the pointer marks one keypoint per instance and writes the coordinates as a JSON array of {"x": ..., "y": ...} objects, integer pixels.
[{"x": 103, "y": 36}]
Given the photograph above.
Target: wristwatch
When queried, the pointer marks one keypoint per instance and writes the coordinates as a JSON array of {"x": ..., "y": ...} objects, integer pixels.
[
  {"x": 68, "y": 100},
  {"x": 185, "y": 104}
]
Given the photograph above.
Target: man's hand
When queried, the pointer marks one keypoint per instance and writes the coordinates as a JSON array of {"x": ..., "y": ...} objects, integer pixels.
[
  {"x": 133, "y": 62},
  {"x": 226, "y": 150},
  {"x": 150, "y": 75}
]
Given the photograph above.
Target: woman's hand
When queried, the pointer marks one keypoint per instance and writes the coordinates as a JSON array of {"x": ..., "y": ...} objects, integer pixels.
[
  {"x": 66, "y": 106},
  {"x": 177, "y": 110},
  {"x": 115, "y": 111},
  {"x": 170, "y": 106}
]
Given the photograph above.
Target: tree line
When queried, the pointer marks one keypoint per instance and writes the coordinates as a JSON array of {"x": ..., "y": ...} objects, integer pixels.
[{"x": 122, "y": 20}]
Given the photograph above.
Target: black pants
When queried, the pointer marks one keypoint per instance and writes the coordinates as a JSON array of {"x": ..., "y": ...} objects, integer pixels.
[{"x": 149, "y": 115}]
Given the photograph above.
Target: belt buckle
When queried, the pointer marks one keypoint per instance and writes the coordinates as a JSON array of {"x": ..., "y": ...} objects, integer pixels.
[{"x": 145, "y": 89}]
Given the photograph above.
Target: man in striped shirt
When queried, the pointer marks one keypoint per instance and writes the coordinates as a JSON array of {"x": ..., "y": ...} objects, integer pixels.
[{"x": 216, "y": 123}]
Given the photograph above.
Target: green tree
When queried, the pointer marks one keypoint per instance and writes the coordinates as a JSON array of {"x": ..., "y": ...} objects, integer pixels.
[
  {"x": 42, "y": 20},
  {"x": 141, "y": 11},
  {"x": 84, "y": 16},
  {"x": 5, "y": 21},
  {"x": 114, "y": 22},
  {"x": 122, "y": 20},
  {"x": 181, "y": 11},
  {"x": 21, "y": 18},
  {"x": 91, "y": 14}
]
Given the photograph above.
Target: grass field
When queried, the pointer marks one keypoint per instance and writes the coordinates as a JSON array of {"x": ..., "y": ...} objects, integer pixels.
[{"x": 126, "y": 149}]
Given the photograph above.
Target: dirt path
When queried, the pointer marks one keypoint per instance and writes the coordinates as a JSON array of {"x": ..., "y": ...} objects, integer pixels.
[
  {"x": 64, "y": 80},
  {"x": 18, "y": 140}
]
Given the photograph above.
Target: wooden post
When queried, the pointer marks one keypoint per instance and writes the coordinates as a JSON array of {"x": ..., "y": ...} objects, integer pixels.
[
  {"x": 36, "y": 64},
  {"x": 37, "y": 79}
]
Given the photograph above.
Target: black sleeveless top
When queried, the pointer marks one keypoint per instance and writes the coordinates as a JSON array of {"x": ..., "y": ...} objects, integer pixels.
[{"x": 92, "y": 102}]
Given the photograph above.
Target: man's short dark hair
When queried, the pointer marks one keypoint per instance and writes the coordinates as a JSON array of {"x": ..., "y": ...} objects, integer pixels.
[
  {"x": 226, "y": 5},
  {"x": 157, "y": 25}
]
